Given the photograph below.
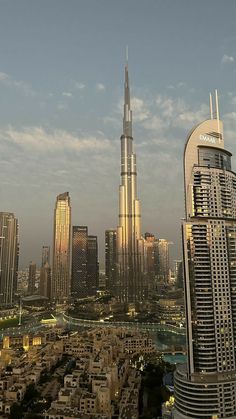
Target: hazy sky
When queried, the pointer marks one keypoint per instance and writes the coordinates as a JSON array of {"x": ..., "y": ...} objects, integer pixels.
[{"x": 61, "y": 94}]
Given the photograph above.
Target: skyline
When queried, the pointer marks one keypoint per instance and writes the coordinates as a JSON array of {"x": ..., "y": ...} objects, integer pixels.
[{"x": 62, "y": 93}]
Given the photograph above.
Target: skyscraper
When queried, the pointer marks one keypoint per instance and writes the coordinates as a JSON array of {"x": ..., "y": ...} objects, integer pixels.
[
  {"x": 79, "y": 261},
  {"x": 92, "y": 265},
  {"x": 206, "y": 386},
  {"x": 9, "y": 252},
  {"x": 45, "y": 255},
  {"x": 31, "y": 278},
  {"x": 178, "y": 273},
  {"x": 129, "y": 243},
  {"x": 45, "y": 283},
  {"x": 61, "y": 248},
  {"x": 162, "y": 262},
  {"x": 110, "y": 259},
  {"x": 85, "y": 272},
  {"x": 149, "y": 262}
]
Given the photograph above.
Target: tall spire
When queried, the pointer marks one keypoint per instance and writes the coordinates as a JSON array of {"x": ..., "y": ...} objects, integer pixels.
[{"x": 127, "y": 120}]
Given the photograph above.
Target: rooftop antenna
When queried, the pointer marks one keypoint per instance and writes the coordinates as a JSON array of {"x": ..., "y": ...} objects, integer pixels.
[
  {"x": 211, "y": 108},
  {"x": 217, "y": 110},
  {"x": 217, "y": 104},
  {"x": 127, "y": 54}
]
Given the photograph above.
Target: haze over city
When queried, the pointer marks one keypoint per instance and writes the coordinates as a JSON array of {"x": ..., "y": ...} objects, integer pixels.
[{"x": 61, "y": 87}]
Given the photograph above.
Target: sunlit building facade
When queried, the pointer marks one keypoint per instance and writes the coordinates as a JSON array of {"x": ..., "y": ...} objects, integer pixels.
[
  {"x": 61, "y": 248},
  {"x": 206, "y": 386},
  {"x": 129, "y": 241},
  {"x": 9, "y": 254}
]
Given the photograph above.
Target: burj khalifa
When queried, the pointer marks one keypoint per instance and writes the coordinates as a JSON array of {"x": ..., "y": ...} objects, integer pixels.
[{"x": 129, "y": 240}]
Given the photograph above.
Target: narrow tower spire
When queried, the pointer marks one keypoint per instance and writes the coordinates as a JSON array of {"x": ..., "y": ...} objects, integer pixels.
[
  {"x": 217, "y": 104},
  {"x": 130, "y": 286},
  {"x": 127, "y": 54},
  {"x": 211, "y": 108},
  {"x": 127, "y": 120},
  {"x": 217, "y": 110}
]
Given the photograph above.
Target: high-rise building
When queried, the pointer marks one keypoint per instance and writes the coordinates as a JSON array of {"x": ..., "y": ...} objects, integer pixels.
[
  {"x": 85, "y": 272},
  {"x": 206, "y": 386},
  {"x": 149, "y": 262},
  {"x": 31, "y": 278},
  {"x": 149, "y": 256},
  {"x": 61, "y": 248},
  {"x": 79, "y": 261},
  {"x": 45, "y": 255},
  {"x": 162, "y": 262},
  {"x": 45, "y": 283},
  {"x": 178, "y": 273},
  {"x": 129, "y": 242},
  {"x": 92, "y": 265},
  {"x": 110, "y": 260},
  {"x": 9, "y": 253}
]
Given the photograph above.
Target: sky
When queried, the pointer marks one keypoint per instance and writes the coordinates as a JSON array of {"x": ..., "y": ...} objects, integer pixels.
[{"x": 61, "y": 95}]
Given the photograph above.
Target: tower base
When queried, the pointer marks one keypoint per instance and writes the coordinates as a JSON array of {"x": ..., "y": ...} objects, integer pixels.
[{"x": 206, "y": 396}]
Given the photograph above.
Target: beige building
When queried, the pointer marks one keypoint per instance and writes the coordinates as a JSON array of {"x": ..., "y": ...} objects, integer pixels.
[
  {"x": 102, "y": 377},
  {"x": 61, "y": 249},
  {"x": 206, "y": 386}
]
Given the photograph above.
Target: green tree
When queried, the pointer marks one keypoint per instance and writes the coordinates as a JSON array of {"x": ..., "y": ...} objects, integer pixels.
[
  {"x": 16, "y": 411},
  {"x": 30, "y": 393}
]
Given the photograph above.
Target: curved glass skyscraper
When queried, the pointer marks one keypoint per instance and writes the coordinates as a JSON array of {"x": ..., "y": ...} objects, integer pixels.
[{"x": 206, "y": 386}]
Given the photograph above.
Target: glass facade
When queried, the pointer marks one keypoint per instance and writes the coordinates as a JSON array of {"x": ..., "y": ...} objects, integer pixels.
[
  {"x": 206, "y": 386},
  {"x": 61, "y": 248},
  {"x": 129, "y": 243},
  {"x": 9, "y": 254}
]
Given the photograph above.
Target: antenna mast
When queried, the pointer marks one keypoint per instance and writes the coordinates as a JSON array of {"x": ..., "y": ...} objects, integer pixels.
[{"x": 211, "y": 108}]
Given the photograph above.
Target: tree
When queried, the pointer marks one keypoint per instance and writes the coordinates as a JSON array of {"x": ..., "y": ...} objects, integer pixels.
[
  {"x": 30, "y": 393},
  {"x": 16, "y": 411}
]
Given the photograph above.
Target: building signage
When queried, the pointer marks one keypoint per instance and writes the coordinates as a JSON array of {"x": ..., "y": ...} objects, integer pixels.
[{"x": 207, "y": 138}]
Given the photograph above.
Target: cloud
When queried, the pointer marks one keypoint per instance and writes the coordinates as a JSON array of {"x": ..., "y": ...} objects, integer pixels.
[
  {"x": 100, "y": 87},
  {"x": 140, "y": 109},
  {"x": 233, "y": 100},
  {"x": 67, "y": 94},
  {"x": 4, "y": 77},
  {"x": 40, "y": 140},
  {"x": 62, "y": 106},
  {"x": 8, "y": 81},
  {"x": 176, "y": 112},
  {"x": 79, "y": 85},
  {"x": 154, "y": 123},
  {"x": 188, "y": 117},
  {"x": 160, "y": 115},
  {"x": 181, "y": 84},
  {"x": 227, "y": 59}
]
